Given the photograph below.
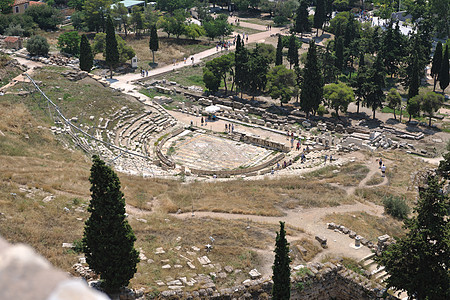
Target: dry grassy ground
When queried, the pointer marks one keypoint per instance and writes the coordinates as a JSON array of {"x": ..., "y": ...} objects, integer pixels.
[{"x": 367, "y": 225}]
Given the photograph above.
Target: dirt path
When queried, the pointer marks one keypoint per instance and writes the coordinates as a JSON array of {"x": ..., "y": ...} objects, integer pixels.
[{"x": 311, "y": 221}]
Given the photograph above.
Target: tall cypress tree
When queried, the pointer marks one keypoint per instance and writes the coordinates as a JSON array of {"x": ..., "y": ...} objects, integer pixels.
[
  {"x": 360, "y": 81},
  {"x": 86, "y": 56},
  {"x": 301, "y": 19},
  {"x": 292, "y": 51},
  {"x": 374, "y": 95},
  {"x": 279, "y": 53},
  {"x": 108, "y": 240},
  {"x": 443, "y": 74},
  {"x": 436, "y": 65},
  {"x": 414, "y": 77},
  {"x": 111, "y": 50},
  {"x": 339, "y": 53},
  {"x": 241, "y": 65},
  {"x": 281, "y": 270},
  {"x": 312, "y": 86},
  {"x": 319, "y": 15},
  {"x": 154, "y": 42}
]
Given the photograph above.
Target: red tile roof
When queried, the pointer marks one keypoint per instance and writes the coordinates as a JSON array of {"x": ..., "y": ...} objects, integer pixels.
[
  {"x": 11, "y": 39},
  {"x": 18, "y": 2},
  {"x": 36, "y": 3}
]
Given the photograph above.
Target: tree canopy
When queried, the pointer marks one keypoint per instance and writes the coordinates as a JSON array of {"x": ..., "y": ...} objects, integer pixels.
[
  {"x": 418, "y": 263},
  {"x": 338, "y": 96}
]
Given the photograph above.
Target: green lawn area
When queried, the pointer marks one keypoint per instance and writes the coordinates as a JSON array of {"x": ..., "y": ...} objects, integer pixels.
[{"x": 240, "y": 29}]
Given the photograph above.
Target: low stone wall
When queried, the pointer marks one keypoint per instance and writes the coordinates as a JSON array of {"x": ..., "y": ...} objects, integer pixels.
[
  {"x": 314, "y": 282},
  {"x": 227, "y": 173},
  {"x": 264, "y": 143}
]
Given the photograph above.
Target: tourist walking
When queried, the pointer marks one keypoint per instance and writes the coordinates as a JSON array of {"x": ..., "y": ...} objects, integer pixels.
[
  {"x": 380, "y": 162},
  {"x": 201, "y": 121},
  {"x": 232, "y": 127},
  {"x": 326, "y": 157},
  {"x": 226, "y": 127},
  {"x": 383, "y": 170}
]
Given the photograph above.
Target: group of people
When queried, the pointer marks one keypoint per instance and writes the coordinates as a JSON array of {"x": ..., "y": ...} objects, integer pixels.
[
  {"x": 326, "y": 157},
  {"x": 269, "y": 27},
  {"x": 229, "y": 128},
  {"x": 184, "y": 59},
  {"x": 144, "y": 73},
  {"x": 226, "y": 45}
]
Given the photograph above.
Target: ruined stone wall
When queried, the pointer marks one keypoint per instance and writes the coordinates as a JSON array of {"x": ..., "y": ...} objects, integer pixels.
[{"x": 314, "y": 282}]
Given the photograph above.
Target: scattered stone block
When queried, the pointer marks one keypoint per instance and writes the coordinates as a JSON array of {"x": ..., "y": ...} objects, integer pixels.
[
  {"x": 204, "y": 260},
  {"x": 166, "y": 267},
  {"x": 67, "y": 245},
  {"x": 190, "y": 265},
  {"x": 159, "y": 250},
  {"x": 322, "y": 241},
  {"x": 254, "y": 274},
  {"x": 228, "y": 269},
  {"x": 197, "y": 249},
  {"x": 159, "y": 283},
  {"x": 174, "y": 282}
]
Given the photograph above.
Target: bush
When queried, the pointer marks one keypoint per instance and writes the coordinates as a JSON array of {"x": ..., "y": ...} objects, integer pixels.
[
  {"x": 38, "y": 45},
  {"x": 69, "y": 42},
  {"x": 13, "y": 20},
  {"x": 396, "y": 207},
  {"x": 45, "y": 16},
  {"x": 280, "y": 20},
  {"x": 15, "y": 30},
  {"x": 322, "y": 110}
]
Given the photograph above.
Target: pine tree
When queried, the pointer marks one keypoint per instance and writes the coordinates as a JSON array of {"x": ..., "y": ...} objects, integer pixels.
[
  {"x": 108, "y": 240},
  {"x": 292, "y": 51},
  {"x": 436, "y": 65},
  {"x": 111, "y": 48},
  {"x": 281, "y": 270},
  {"x": 312, "y": 86},
  {"x": 301, "y": 19},
  {"x": 443, "y": 74},
  {"x": 418, "y": 263},
  {"x": 86, "y": 56},
  {"x": 279, "y": 53},
  {"x": 154, "y": 42},
  {"x": 319, "y": 15}
]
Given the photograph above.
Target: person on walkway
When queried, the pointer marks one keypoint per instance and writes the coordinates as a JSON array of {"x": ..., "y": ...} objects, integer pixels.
[
  {"x": 298, "y": 146},
  {"x": 192, "y": 123},
  {"x": 383, "y": 170},
  {"x": 174, "y": 61},
  {"x": 146, "y": 73},
  {"x": 232, "y": 127},
  {"x": 303, "y": 158},
  {"x": 326, "y": 157},
  {"x": 201, "y": 121},
  {"x": 331, "y": 158},
  {"x": 184, "y": 60},
  {"x": 192, "y": 59},
  {"x": 380, "y": 162},
  {"x": 226, "y": 127}
]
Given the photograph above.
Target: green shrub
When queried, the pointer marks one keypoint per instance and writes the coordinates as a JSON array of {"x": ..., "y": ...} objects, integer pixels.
[
  {"x": 38, "y": 45},
  {"x": 322, "y": 110},
  {"x": 280, "y": 20},
  {"x": 396, "y": 207}
]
